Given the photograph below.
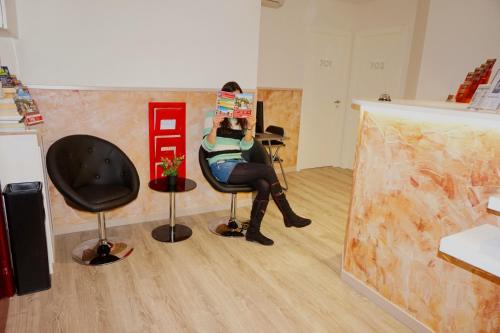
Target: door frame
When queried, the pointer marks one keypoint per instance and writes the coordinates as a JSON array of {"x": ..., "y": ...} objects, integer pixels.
[{"x": 337, "y": 32}]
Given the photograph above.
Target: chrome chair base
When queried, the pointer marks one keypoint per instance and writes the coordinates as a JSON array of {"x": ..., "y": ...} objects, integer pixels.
[
  {"x": 228, "y": 228},
  {"x": 95, "y": 253}
]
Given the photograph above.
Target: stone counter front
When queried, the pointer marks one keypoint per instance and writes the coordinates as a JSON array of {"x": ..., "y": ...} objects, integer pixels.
[{"x": 418, "y": 179}]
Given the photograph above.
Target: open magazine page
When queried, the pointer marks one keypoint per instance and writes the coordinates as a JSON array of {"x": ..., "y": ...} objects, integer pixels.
[
  {"x": 243, "y": 105},
  {"x": 225, "y": 103},
  {"x": 235, "y": 105}
]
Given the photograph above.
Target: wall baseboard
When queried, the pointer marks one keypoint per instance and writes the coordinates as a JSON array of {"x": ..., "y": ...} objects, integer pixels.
[
  {"x": 157, "y": 88},
  {"x": 398, "y": 313},
  {"x": 90, "y": 224},
  {"x": 122, "y": 88},
  {"x": 279, "y": 88}
]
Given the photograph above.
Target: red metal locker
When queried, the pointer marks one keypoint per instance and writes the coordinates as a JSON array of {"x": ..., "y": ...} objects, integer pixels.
[{"x": 7, "y": 288}]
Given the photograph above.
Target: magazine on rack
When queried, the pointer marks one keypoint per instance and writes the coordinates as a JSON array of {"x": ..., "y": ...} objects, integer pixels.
[
  {"x": 478, "y": 97},
  {"x": 27, "y": 107},
  {"x": 491, "y": 100}
]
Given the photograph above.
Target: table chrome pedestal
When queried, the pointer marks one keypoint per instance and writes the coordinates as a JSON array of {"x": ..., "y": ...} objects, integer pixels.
[{"x": 172, "y": 233}]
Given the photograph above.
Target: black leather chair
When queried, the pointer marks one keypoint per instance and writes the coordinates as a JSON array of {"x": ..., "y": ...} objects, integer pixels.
[
  {"x": 94, "y": 175},
  {"x": 231, "y": 227},
  {"x": 276, "y": 144}
]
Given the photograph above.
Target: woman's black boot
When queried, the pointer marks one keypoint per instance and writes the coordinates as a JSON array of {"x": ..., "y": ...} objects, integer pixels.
[
  {"x": 290, "y": 218},
  {"x": 253, "y": 232}
]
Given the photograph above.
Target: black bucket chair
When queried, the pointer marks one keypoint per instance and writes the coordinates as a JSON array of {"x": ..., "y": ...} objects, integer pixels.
[
  {"x": 230, "y": 226},
  {"x": 94, "y": 175}
]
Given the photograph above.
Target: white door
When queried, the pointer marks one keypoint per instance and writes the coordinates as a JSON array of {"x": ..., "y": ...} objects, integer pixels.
[
  {"x": 379, "y": 62},
  {"x": 324, "y": 99}
]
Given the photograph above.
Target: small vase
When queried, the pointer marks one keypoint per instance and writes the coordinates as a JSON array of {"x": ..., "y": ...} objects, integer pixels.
[{"x": 171, "y": 180}]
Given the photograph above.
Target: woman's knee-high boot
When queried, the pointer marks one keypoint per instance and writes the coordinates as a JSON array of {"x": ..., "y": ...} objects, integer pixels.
[
  {"x": 253, "y": 232},
  {"x": 291, "y": 219}
]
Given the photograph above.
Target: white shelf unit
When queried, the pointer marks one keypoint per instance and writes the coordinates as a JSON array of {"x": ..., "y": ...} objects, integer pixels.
[
  {"x": 479, "y": 247},
  {"x": 22, "y": 160}
]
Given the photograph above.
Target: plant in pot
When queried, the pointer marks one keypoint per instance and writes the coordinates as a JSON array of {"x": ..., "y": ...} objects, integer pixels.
[{"x": 170, "y": 168}]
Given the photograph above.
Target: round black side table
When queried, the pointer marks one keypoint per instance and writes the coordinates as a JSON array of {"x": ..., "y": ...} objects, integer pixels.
[{"x": 172, "y": 232}]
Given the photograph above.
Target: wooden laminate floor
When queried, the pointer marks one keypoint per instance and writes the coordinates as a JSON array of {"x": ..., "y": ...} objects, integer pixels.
[
  {"x": 213, "y": 284},
  {"x": 4, "y": 310}
]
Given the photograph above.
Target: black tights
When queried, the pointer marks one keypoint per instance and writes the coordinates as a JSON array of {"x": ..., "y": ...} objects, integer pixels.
[{"x": 260, "y": 176}]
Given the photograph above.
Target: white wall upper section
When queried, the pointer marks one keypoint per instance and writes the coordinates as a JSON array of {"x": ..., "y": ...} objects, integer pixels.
[
  {"x": 153, "y": 43},
  {"x": 8, "y": 54},
  {"x": 460, "y": 35},
  {"x": 281, "y": 49},
  {"x": 282, "y": 31}
]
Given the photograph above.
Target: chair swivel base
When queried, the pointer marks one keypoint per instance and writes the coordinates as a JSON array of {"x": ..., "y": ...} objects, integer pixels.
[
  {"x": 167, "y": 234},
  {"x": 91, "y": 253},
  {"x": 226, "y": 228}
]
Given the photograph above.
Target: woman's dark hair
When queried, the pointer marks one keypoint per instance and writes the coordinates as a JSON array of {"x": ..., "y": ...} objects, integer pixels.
[{"x": 232, "y": 86}]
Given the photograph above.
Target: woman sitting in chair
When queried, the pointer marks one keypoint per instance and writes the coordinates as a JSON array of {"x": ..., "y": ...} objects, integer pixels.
[{"x": 225, "y": 141}]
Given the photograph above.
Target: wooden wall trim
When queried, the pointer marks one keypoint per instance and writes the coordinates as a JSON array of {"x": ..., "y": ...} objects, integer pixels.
[{"x": 279, "y": 89}]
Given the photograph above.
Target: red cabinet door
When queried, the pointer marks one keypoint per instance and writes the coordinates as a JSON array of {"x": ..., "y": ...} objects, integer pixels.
[
  {"x": 167, "y": 135},
  {"x": 7, "y": 288}
]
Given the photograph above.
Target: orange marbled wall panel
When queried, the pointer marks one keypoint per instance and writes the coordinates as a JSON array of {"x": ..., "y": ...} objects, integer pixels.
[
  {"x": 416, "y": 182},
  {"x": 121, "y": 117},
  {"x": 282, "y": 108}
]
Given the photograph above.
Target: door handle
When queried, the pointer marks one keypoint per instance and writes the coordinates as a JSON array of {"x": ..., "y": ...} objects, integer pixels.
[{"x": 337, "y": 101}]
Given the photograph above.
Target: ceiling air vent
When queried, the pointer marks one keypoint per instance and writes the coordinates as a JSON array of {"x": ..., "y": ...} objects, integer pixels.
[{"x": 272, "y": 3}]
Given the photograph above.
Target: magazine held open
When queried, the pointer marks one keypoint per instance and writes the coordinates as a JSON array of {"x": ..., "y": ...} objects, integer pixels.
[{"x": 234, "y": 105}]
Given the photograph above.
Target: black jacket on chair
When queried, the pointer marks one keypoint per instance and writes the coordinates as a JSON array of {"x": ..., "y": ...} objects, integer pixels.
[{"x": 91, "y": 173}]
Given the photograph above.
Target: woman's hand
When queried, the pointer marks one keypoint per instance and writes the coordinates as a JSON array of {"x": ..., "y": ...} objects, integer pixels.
[
  {"x": 250, "y": 125},
  {"x": 218, "y": 118},
  {"x": 212, "y": 136},
  {"x": 251, "y": 122}
]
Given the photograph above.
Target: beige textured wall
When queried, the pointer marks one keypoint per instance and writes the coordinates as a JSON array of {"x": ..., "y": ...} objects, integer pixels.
[
  {"x": 121, "y": 116},
  {"x": 282, "y": 108},
  {"x": 416, "y": 182}
]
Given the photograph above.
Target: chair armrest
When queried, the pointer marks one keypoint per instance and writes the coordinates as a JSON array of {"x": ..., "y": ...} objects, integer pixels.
[{"x": 130, "y": 177}]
